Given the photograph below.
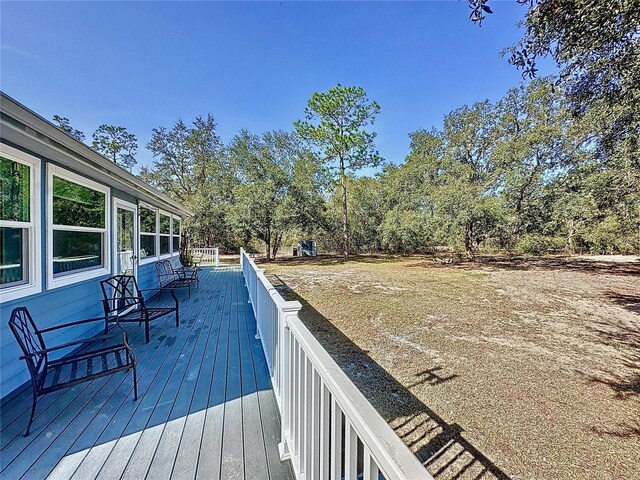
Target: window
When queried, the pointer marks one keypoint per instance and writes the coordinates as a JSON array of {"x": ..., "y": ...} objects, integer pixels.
[
  {"x": 78, "y": 224},
  {"x": 175, "y": 230},
  {"x": 159, "y": 234},
  {"x": 165, "y": 234},
  {"x": 19, "y": 224},
  {"x": 148, "y": 230}
]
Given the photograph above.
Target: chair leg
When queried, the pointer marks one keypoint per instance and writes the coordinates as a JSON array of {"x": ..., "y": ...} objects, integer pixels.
[
  {"x": 135, "y": 382},
  {"x": 189, "y": 291},
  {"x": 146, "y": 331},
  {"x": 33, "y": 411}
]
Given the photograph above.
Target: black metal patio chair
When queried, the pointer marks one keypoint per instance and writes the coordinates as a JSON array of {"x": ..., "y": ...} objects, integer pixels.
[
  {"x": 124, "y": 303},
  {"x": 110, "y": 354},
  {"x": 190, "y": 271},
  {"x": 168, "y": 278}
]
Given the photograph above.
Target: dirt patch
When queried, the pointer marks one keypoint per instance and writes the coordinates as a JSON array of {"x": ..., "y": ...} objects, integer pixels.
[{"x": 507, "y": 368}]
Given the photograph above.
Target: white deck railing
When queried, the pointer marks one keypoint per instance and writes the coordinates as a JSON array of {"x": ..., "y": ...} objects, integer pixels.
[
  {"x": 209, "y": 255},
  {"x": 323, "y": 414}
]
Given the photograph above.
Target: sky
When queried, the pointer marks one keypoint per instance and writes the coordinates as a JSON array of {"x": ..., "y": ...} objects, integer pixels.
[{"x": 253, "y": 65}]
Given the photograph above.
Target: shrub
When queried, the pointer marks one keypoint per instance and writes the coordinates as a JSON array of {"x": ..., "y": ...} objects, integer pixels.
[{"x": 537, "y": 244}]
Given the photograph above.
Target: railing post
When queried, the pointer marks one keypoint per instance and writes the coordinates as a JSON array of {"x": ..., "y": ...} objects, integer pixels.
[
  {"x": 286, "y": 311},
  {"x": 256, "y": 312},
  {"x": 256, "y": 300},
  {"x": 217, "y": 256},
  {"x": 254, "y": 288}
]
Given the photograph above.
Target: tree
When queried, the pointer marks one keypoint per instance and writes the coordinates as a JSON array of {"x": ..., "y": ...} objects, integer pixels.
[
  {"x": 63, "y": 124},
  {"x": 335, "y": 124},
  {"x": 190, "y": 166},
  {"x": 277, "y": 187},
  {"x": 455, "y": 184},
  {"x": 410, "y": 222},
  {"x": 467, "y": 191},
  {"x": 536, "y": 143},
  {"x": 597, "y": 48},
  {"x": 117, "y": 144}
]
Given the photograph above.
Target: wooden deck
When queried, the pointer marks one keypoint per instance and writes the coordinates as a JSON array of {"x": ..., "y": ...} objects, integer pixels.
[{"x": 205, "y": 408}]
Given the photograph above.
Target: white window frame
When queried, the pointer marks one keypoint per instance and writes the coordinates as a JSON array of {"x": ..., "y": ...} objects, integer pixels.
[
  {"x": 80, "y": 276},
  {"x": 170, "y": 254},
  {"x": 34, "y": 274},
  {"x": 179, "y": 235},
  {"x": 154, "y": 258}
]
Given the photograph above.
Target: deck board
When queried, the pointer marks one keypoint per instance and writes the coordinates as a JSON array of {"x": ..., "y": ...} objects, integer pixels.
[
  {"x": 205, "y": 406},
  {"x": 232, "y": 448}
]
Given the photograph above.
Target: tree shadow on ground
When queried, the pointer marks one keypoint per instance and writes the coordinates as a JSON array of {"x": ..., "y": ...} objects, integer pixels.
[
  {"x": 489, "y": 262},
  {"x": 570, "y": 264},
  {"x": 629, "y": 302},
  {"x": 624, "y": 378},
  {"x": 620, "y": 431},
  {"x": 621, "y": 334},
  {"x": 326, "y": 260},
  {"x": 438, "y": 444}
]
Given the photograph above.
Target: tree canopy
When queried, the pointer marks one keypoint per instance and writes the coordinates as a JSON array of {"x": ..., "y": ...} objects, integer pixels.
[
  {"x": 335, "y": 123},
  {"x": 64, "y": 124},
  {"x": 522, "y": 174},
  {"x": 551, "y": 166},
  {"x": 597, "y": 49},
  {"x": 116, "y": 143}
]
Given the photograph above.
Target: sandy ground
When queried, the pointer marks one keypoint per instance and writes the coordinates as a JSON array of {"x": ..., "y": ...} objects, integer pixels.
[{"x": 507, "y": 368}]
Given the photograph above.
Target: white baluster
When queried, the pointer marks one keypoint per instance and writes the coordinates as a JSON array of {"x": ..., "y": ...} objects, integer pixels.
[{"x": 336, "y": 441}]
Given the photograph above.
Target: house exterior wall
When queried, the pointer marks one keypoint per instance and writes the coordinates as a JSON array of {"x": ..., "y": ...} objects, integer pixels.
[{"x": 62, "y": 304}]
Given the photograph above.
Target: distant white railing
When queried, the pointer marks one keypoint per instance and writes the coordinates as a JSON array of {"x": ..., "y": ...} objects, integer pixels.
[
  {"x": 206, "y": 255},
  {"x": 318, "y": 403}
]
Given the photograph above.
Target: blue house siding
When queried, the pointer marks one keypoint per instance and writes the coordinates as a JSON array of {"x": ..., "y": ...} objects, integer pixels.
[{"x": 63, "y": 304}]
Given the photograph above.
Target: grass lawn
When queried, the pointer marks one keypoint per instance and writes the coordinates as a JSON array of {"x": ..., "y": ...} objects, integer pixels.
[{"x": 507, "y": 368}]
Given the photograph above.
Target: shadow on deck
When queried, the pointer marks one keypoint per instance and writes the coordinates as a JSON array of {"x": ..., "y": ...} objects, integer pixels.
[{"x": 206, "y": 408}]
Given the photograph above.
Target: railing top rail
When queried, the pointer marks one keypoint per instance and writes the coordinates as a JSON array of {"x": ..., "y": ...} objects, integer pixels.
[
  {"x": 391, "y": 454},
  {"x": 275, "y": 295}
]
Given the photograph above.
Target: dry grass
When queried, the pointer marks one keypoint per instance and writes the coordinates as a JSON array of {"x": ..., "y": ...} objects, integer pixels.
[{"x": 504, "y": 367}]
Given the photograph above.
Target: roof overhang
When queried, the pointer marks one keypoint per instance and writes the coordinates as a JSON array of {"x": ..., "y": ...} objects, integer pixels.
[{"x": 25, "y": 128}]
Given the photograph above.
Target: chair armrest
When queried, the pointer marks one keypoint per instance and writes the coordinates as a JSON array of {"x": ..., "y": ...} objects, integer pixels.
[
  {"x": 71, "y": 324},
  {"x": 187, "y": 269},
  {"x": 159, "y": 289},
  {"x": 109, "y": 312},
  {"x": 71, "y": 344},
  {"x": 186, "y": 273},
  {"x": 162, "y": 289}
]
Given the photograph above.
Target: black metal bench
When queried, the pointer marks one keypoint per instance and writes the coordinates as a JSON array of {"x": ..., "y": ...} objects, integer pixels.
[
  {"x": 124, "y": 303},
  {"x": 82, "y": 365},
  {"x": 168, "y": 278}
]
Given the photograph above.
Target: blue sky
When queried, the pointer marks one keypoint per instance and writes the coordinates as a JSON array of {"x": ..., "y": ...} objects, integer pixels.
[{"x": 252, "y": 65}]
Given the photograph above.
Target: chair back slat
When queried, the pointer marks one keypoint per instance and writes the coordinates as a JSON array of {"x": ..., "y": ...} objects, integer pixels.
[
  {"x": 120, "y": 293},
  {"x": 29, "y": 339},
  {"x": 165, "y": 272}
]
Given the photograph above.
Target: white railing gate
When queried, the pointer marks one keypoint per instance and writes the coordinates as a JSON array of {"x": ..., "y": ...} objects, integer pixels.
[{"x": 209, "y": 255}]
